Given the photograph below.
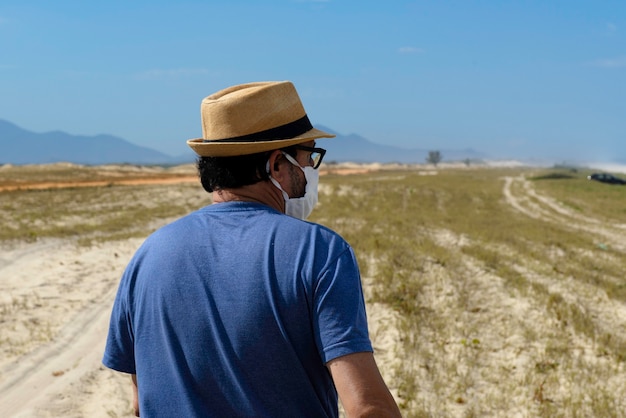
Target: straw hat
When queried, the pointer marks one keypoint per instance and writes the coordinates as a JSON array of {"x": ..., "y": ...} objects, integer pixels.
[{"x": 251, "y": 118}]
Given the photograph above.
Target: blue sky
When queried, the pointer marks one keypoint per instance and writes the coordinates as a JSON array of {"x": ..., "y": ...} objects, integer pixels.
[{"x": 518, "y": 79}]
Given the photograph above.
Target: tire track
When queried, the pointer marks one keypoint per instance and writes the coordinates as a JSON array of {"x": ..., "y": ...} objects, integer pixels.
[
  {"x": 51, "y": 368},
  {"x": 544, "y": 208},
  {"x": 30, "y": 382}
]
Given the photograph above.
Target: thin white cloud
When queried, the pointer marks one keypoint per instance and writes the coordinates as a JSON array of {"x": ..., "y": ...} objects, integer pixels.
[
  {"x": 171, "y": 73},
  {"x": 410, "y": 50},
  {"x": 619, "y": 62},
  {"x": 611, "y": 27}
]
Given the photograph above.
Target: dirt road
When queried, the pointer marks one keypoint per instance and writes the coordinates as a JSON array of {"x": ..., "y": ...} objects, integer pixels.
[
  {"x": 608, "y": 314},
  {"x": 59, "y": 297},
  {"x": 521, "y": 195}
]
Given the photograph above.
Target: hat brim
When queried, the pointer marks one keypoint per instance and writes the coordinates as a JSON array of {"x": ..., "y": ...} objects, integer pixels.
[{"x": 221, "y": 148}]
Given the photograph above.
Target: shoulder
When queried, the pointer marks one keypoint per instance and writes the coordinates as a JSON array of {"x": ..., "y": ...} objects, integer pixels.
[{"x": 314, "y": 233}]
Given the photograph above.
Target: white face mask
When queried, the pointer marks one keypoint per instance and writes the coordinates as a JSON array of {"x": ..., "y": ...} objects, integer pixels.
[{"x": 301, "y": 207}]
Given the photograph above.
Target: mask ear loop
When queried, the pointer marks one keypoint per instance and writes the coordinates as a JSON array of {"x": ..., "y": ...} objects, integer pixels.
[
  {"x": 267, "y": 167},
  {"x": 289, "y": 158},
  {"x": 292, "y": 160}
]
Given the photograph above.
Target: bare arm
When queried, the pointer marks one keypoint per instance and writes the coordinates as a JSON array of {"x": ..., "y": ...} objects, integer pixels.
[
  {"x": 135, "y": 395},
  {"x": 361, "y": 388}
]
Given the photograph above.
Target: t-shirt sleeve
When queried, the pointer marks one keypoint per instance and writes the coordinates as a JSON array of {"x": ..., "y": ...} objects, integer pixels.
[
  {"x": 340, "y": 319},
  {"x": 119, "y": 351}
]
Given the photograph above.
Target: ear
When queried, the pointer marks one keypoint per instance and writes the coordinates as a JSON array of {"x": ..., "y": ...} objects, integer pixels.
[{"x": 276, "y": 167}]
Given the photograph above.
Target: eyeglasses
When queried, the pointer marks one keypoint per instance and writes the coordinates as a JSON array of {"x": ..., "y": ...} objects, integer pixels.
[{"x": 317, "y": 154}]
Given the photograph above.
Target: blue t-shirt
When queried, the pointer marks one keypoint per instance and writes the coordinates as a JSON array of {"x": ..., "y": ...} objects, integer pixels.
[{"x": 234, "y": 310}]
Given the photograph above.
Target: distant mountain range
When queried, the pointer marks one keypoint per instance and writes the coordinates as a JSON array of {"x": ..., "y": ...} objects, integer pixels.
[
  {"x": 19, "y": 146},
  {"x": 354, "y": 148}
]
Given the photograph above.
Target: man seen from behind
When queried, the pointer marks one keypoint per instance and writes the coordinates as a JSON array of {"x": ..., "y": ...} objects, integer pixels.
[{"x": 242, "y": 308}]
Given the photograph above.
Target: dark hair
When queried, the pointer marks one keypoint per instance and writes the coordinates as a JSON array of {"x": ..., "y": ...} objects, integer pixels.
[{"x": 232, "y": 172}]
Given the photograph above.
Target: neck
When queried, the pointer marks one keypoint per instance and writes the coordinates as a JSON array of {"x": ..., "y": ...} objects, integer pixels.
[{"x": 263, "y": 192}]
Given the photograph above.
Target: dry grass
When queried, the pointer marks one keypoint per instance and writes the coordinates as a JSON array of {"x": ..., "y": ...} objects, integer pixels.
[
  {"x": 95, "y": 203},
  {"x": 511, "y": 303},
  {"x": 506, "y": 285}
]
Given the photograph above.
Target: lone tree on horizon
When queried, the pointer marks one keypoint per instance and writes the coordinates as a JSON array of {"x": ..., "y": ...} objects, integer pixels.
[{"x": 434, "y": 157}]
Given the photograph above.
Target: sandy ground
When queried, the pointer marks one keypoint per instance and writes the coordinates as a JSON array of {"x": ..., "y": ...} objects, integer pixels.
[
  {"x": 70, "y": 289},
  {"x": 55, "y": 301},
  {"x": 55, "y": 298},
  {"x": 56, "y": 286}
]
